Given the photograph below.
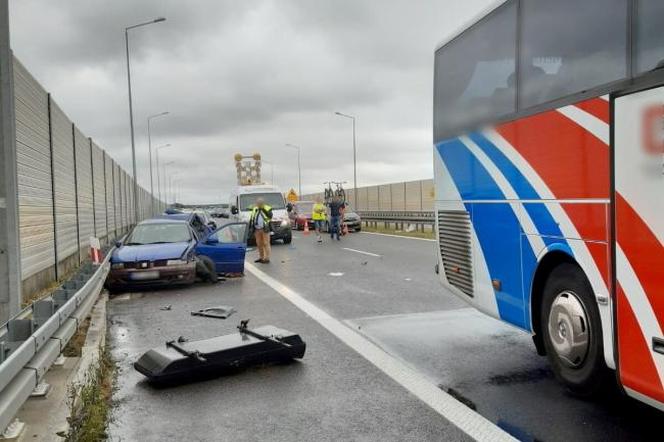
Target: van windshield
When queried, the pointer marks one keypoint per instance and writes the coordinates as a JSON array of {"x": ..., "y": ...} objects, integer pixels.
[{"x": 273, "y": 199}]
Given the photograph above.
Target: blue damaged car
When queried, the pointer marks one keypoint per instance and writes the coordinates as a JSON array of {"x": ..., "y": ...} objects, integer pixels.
[{"x": 166, "y": 251}]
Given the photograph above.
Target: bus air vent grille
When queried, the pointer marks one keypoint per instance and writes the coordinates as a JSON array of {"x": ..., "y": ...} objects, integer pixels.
[{"x": 454, "y": 238}]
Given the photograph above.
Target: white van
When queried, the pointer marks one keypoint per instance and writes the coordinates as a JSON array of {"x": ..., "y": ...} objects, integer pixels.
[{"x": 243, "y": 199}]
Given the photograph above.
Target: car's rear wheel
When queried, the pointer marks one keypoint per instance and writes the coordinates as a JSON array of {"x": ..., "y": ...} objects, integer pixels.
[{"x": 572, "y": 330}]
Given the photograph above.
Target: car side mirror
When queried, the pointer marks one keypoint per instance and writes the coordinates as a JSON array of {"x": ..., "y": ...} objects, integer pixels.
[
  {"x": 118, "y": 244},
  {"x": 212, "y": 240},
  {"x": 234, "y": 210}
]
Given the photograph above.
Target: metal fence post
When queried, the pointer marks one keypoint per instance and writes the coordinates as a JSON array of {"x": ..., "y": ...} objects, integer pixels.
[
  {"x": 10, "y": 257},
  {"x": 78, "y": 215},
  {"x": 55, "y": 221}
]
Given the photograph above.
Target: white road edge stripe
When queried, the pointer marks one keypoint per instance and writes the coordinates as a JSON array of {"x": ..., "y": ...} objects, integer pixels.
[
  {"x": 397, "y": 236},
  {"x": 467, "y": 420},
  {"x": 360, "y": 251}
]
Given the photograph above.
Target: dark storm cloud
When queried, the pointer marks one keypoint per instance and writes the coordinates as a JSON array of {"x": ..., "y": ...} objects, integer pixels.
[{"x": 247, "y": 76}]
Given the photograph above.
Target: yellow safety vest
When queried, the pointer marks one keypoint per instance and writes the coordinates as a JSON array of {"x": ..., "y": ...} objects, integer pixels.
[{"x": 318, "y": 212}]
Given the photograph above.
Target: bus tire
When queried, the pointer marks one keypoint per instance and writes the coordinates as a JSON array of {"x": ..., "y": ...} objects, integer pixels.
[{"x": 572, "y": 331}]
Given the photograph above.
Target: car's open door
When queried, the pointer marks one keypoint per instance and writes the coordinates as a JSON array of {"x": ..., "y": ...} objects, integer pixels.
[
  {"x": 227, "y": 247},
  {"x": 638, "y": 142}
]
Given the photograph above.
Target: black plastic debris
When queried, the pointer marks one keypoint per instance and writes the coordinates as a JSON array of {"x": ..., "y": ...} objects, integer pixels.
[
  {"x": 185, "y": 361},
  {"x": 220, "y": 312}
]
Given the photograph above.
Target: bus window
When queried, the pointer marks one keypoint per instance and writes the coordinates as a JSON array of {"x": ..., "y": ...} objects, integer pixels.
[
  {"x": 475, "y": 73},
  {"x": 568, "y": 46},
  {"x": 649, "y": 50}
]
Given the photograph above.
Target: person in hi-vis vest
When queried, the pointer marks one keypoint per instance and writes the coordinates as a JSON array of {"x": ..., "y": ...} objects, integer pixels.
[
  {"x": 318, "y": 216},
  {"x": 261, "y": 215}
]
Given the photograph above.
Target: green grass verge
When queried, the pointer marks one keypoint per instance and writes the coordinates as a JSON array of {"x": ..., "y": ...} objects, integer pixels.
[
  {"x": 391, "y": 231},
  {"x": 91, "y": 404}
]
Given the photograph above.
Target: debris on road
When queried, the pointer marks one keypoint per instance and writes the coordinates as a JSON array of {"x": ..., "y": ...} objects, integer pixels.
[
  {"x": 185, "y": 361},
  {"x": 219, "y": 312},
  {"x": 166, "y": 307}
]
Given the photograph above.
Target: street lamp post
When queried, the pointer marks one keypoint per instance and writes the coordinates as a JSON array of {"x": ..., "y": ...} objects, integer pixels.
[
  {"x": 299, "y": 169},
  {"x": 150, "y": 155},
  {"x": 131, "y": 109},
  {"x": 167, "y": 188},
  {"x": 158, "y": 172},
  {"x": 354, "y": 159}
]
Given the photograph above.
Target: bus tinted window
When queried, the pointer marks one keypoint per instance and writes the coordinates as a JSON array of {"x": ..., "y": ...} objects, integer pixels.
[
  {"x": 649, "y": 37},
  {"x": 474, "y": 74},
  {"x": 568, "y": 46}
]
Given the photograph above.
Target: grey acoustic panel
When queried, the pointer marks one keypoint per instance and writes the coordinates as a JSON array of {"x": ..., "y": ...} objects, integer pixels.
[
  {"x": 101, "y": 229},
  {"x": 86, "y": 219},
  {"x": 110, "y": 204},
  {"x": 33, "y": 153},
  {"x": 64, "y": 184}
]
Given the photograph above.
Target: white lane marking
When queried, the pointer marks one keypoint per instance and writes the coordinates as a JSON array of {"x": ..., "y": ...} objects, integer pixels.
[
  {"x": 467, "y": 420},
  {"x": 397, "y": 236},
  {"x": 360, "y": 251},
  {"x": 336, "y": 274}
]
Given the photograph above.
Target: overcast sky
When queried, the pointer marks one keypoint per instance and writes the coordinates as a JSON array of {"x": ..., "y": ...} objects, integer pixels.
[{"x": 247, "y": 76}]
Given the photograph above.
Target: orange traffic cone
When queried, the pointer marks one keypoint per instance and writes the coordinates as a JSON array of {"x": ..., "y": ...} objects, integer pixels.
[{"x": 306, "y": 227}]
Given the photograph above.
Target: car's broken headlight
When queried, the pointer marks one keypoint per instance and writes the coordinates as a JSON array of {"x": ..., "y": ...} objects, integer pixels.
[{"x": 175, "y": 262}]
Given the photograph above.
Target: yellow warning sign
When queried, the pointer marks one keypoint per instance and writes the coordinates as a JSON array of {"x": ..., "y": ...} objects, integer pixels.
[{"x": 292, "y": 196}]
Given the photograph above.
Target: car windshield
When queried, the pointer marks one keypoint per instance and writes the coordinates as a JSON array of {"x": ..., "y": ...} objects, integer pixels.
[
  {"x": 159, "y": 233},
  {"x": 304, "y": 208},
  {"x": 273, "y": 199}
]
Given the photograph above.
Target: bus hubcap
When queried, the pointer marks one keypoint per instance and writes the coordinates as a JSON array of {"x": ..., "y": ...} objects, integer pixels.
[{"x": 568, "y": 328}]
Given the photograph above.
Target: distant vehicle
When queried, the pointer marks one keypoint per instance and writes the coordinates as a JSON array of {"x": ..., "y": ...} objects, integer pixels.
[
  {"x": 200, "y": 223},
  {"x": 163, "y": 251},
  {"x": 303, "y": 211},
  {"x": 352, "y": 219},
  {"x": 243, "y": 199},
  {"x": 548, "y": 183}
]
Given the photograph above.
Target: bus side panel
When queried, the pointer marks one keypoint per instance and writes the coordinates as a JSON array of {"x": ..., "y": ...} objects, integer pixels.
[{"x": 639, "y": 248}]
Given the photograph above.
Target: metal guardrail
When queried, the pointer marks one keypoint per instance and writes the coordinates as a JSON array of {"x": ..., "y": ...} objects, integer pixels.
[
  {"x": 32, "y": 340},
  {"x": 420, "y": 217}
]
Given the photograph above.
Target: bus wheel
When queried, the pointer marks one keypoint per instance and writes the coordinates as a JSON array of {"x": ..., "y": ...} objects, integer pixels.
[{"x": 572, "y": 330}]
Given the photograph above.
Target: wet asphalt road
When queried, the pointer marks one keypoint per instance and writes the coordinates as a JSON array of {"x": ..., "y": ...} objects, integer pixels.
[{"x": 393, "y": 299}]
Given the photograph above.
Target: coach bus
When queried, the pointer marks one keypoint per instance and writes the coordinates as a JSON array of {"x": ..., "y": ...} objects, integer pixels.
[{"x": 549, "y": 171}]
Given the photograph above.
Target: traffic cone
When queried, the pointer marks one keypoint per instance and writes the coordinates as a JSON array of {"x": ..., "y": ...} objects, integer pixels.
[{"x": 306, "y": 227}]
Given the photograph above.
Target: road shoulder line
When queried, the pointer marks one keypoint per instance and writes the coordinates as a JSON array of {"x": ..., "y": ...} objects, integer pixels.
[
  {"x": 467, "y": 420},
  {"x": 397, "y": 236}
]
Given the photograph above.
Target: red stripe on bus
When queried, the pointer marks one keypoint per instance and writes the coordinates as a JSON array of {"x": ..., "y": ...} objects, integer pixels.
[
  {"x": 573, "y": 163},
  {"x": 571, "y": 160},
  {"x": 597, "y": 107},
  {"x": 644, "y": 252},
  {"x": 637, "y": 368}
]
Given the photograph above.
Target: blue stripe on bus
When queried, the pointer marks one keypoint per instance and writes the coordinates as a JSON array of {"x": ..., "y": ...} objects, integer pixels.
[
  {"x": 539, "y": 213},
  {"x": 497, "y": 228}
]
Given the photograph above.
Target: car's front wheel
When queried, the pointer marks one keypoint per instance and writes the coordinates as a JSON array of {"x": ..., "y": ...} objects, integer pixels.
[{"x": 572, "y": 330}]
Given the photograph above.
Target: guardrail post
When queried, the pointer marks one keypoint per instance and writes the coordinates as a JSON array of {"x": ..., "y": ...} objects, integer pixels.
[{"x": 10, "y": 257}]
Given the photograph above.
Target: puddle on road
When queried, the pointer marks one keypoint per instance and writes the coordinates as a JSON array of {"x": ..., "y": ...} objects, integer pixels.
[{"x": 521, "y": 377}]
